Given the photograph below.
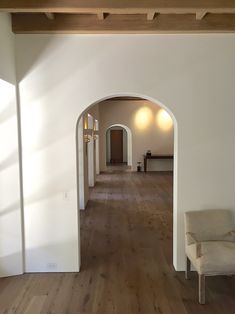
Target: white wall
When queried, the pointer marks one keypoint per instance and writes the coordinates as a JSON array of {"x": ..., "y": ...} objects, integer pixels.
[
  {"x": 97, "y": 156},
  {"x": 97, "y": 147},
  {"x": 91, "y": 154},
  {"x": 11, "y": 262},
  {"x": 83, "y": 167},
  {"x": 193, "y": 75},
  {"x": 94, "y": 111},
  {"x": 124, "y": 139},
  {"x": 107, "y": 149},
  {"x": 87, "y": 176},
  {"x": 145, "y": 136}
]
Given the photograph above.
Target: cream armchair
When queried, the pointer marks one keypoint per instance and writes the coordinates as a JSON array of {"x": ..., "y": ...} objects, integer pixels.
[{"x": 210, "y": 245}]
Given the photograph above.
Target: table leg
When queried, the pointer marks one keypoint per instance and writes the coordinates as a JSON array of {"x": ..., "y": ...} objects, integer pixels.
[{"x": 145, "y": 164}]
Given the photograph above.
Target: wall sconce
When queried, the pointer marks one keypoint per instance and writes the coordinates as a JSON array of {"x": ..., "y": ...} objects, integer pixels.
[
  {"x": 87, "y": 134},
  {"x": 95, "y": 131},
  {"x": 95, "y": 135}
]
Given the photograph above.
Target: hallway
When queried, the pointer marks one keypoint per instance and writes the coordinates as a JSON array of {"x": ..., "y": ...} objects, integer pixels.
[
  {"x": 126, "y": 236},
  {"x": 126, "y": 259}
]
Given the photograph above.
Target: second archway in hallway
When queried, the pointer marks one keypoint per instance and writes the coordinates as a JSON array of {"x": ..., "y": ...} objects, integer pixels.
[{"x": 129, "y": 141}]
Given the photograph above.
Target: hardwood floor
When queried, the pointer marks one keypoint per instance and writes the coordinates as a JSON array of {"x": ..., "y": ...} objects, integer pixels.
[{"x": 126, "y": 259}]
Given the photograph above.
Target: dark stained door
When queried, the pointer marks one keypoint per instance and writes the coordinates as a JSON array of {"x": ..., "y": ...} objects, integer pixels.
[{"x": 116, "y": 139}]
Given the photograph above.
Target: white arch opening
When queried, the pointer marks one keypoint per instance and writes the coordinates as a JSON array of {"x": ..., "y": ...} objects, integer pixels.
[
  {"x": 176, "y": 247},
  {"x": 129, "y": 141}
]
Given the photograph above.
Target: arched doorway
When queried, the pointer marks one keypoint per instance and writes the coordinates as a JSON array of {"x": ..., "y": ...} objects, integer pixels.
[
  {"x": 127, "y": 143},
  {"x": 175, "y": 164}
]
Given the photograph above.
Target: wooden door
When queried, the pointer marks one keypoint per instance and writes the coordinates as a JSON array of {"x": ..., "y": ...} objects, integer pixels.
[{"x": 116, "y": 139}]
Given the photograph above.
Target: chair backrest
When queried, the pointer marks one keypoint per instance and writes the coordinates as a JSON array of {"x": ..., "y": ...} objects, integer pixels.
[{"x": 209, "y": 225}]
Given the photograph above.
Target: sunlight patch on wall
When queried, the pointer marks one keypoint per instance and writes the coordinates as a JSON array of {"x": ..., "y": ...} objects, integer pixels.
[
  {"x": 143, "y": 118},
  {"x": 8, "y": 132},
  {"x": 164, "y": 120},
  {"x": 10, "y": 215},
  {"x": 32, "y": 124}
]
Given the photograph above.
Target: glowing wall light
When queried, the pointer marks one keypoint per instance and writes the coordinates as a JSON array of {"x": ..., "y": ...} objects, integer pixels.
[
  {"x": 86, "y": 133},
  {"x": 164, "y": 120},
  {"x": 96, "y": 130},
  {"x": 85, "y": 122},
  {"x": 143, "y": 118}
]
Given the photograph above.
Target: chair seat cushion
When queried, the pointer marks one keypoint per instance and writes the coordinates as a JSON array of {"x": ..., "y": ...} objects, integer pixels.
[{"x": 217, "y": 257}]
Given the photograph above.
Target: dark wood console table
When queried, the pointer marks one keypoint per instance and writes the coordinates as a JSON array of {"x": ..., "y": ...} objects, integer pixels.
[{"x": 146, "y": 157}]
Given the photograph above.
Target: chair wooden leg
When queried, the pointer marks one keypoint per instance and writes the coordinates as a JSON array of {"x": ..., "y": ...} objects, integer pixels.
[
  {"x": 202, "y": 289},
  {"x": 188, "y": 268}
]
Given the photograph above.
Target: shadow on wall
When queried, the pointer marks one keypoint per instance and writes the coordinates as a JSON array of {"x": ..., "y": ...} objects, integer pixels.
[
  {"x": 7, "y": 263},
  {"x": 40, "y": 47},
  {"x": 53, "y": 46},
  {"x": 10, "y": 208},
  {"x": 45, "y": 257},
  {"x": 8, "y": 112},
  {"x": 49, "y": 254},
  {"x": 10, "y": 160},
  {"x": 55, "y": 185}
]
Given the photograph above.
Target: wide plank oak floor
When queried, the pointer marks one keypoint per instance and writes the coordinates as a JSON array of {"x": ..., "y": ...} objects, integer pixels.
[{"x": 126, "y": 238}]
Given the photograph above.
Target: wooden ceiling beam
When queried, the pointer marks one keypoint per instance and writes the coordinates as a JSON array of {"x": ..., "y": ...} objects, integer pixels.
[
  {"x": 50, "y": 16},
  {"x": 101, "y": 16},
  {"x": 125, "y": 98},
  {"x": 151, "y": 15},
  {"x": 84, "y": 24},
  {"x": 200, "y": 14},
  {"x": 122, "y": 16},
  {"x": 117, "y": 7}
]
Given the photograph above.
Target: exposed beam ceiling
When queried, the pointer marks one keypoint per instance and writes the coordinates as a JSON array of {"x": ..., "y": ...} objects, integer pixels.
[
  {"x": 120, "y": 16},
  {"x": 83, "y": 24},
  {"x": 116, "y": 6}
]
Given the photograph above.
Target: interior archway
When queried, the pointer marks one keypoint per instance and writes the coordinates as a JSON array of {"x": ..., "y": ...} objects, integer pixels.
[
  {"x": 129, "y": 141},
  {"x": 175, "y": 162}
]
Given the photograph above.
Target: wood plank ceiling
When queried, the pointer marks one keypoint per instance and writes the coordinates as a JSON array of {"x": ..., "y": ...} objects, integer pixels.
[{"x": 120, "y": 16}]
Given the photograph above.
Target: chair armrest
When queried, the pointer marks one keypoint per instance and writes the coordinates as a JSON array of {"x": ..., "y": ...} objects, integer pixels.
[{"x": 198, "y": 244}]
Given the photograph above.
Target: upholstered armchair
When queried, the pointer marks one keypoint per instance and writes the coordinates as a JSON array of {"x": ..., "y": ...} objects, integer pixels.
[{"x": 210, "y": 245}]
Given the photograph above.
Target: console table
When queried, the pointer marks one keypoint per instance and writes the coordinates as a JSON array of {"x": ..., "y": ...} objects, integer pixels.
[{"x": 146, "y": 157}]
